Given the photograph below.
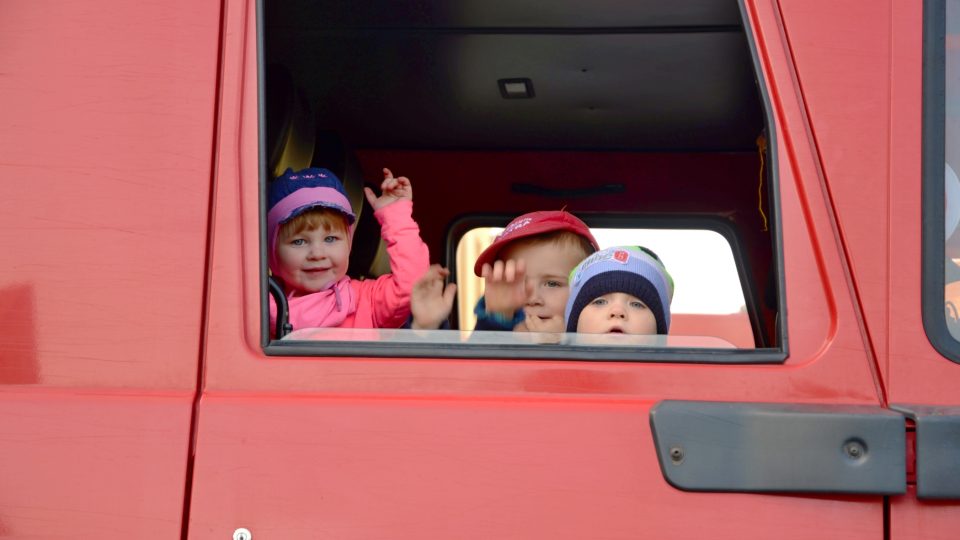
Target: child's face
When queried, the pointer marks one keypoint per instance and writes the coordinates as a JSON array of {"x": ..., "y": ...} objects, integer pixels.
[
  {"x": 548, "y": 267},
  {"x": 313, "y": 259},
  {"x": 619, "y": 313}
]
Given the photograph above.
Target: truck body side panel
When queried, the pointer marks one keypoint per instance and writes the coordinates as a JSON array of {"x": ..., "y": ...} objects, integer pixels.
[
  {"x": 105, "y": 160},
  {"x": 865, "y": 110},
  {"x": 300, "y": 447},
  {"x": 843, "y": 69}
]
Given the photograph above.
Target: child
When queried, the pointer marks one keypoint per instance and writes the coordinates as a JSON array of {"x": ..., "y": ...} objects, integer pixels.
[
  {"x": 622, "y": 290},
  {"x": 310, "y": 232},
  {"x": 525, "y": 272}
]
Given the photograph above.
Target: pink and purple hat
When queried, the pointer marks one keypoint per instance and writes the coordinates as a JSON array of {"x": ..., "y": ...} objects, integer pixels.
[{"x": 294, "y": 193}]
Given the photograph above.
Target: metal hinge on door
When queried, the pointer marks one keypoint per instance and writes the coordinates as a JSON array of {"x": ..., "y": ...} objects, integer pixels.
[
  {"x": 936, "y": 450},
  {"x": 801, "y": 448}
]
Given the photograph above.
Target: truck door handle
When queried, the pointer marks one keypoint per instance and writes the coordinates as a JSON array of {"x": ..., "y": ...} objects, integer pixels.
[{"x": 780, "y": 447}]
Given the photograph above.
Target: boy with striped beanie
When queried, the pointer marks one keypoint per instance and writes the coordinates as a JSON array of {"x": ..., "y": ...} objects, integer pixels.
[{"x": 620, "y": 290}]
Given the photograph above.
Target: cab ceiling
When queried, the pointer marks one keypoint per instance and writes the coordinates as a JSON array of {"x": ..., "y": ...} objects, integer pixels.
[{"x": 607, "y": 75}]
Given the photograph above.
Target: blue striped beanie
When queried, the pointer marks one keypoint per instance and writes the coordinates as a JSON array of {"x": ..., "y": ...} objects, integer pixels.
[{"x": 636, "y": 271}]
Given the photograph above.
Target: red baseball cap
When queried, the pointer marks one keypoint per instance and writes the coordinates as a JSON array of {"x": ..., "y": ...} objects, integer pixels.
[{"x": 531, "y": 224}]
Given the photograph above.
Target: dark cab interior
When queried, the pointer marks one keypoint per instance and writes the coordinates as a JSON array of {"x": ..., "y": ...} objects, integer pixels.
[{"x": 629, "y": 114}]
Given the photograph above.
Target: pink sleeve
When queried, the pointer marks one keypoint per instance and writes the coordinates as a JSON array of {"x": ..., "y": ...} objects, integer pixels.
[{"x": 409, "y": 260}]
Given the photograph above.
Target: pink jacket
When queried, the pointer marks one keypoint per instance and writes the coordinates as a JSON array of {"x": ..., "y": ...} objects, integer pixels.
[{"x": 372, "y": 303}]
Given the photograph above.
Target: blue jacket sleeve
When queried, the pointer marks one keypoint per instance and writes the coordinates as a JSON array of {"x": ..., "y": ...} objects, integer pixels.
[{"x": 492, "y": 321}]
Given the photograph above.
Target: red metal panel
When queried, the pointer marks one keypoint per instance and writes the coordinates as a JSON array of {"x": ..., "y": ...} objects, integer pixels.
[
  {"x": 105, "y": 160},
  {"x": 413, "y": 448},
  {"x": 105, "y": 149},
  {"x": 81, "y": 464},
  {"x": 842, "y": 55},
  {"x": 918, "y": 373},
  {"x": 912, "y": 519},
  {"x": 861, "y": 72},
  {"x": 532, "y": 467},
  {"x": 865, "y": 104}
]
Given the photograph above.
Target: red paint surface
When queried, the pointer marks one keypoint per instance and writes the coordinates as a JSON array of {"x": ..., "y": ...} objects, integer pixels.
[
  {"x": 86, "y": 464},
  {"x": 913, "y": 519},
  {"x": 105, "y": 160},
  {"x": 407, "y": 448},
  {"x": 861, "y": 71}
]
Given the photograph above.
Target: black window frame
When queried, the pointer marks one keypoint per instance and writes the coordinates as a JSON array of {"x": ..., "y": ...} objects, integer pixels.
[
  {"x": 752, "y": 296},
  {"x": 933, "y": 156},
  {"x": 375, "y": 349}
]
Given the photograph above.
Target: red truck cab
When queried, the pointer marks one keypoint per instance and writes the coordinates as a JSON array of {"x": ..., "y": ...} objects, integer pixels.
[{"x": 141, "y": 392}]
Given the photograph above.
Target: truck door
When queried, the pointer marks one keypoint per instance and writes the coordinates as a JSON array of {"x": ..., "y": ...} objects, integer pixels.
[
  {"x": 105, "y": 172},
  {"x": 924, "y": 365},
  {"x": 905, "y": 270},
  {"x": 369, "y": 438}
]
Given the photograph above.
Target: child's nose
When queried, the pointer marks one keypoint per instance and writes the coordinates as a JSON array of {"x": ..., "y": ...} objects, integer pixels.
[
  {"x": 617, "y": 310},
  {"x": 533, "y": 293}
]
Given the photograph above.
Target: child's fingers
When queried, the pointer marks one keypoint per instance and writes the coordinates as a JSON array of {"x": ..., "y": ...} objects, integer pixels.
[
  {"x": 449, "y": 295},
  {"x": 430, "y": 274},
  {"x": 497, "y": 274},
  {"x": 536, "y": 324},
  {"x": 371, "y": 197},
  {"x": 533, "y": 325},
  {"x": 435, "y": 276},
  {"x": 518, "y": 270},
  {"x": 387, "y": 173},
  {"x": 404, "y": 187},
  {"x": 510, "y": 270}
]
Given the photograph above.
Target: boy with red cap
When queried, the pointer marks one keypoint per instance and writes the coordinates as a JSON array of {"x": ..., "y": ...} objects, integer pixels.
[{"x": 525, "y": 273}]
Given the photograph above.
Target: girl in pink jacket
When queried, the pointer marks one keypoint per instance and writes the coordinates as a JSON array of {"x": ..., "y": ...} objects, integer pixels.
[{"x": 310, "y": 230}]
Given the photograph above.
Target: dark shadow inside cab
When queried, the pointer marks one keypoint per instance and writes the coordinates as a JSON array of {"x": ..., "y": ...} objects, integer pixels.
[{"x": 631, "y": 115}]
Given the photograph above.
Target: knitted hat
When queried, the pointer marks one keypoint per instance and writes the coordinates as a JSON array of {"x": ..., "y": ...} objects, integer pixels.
[
  {"x": 636, "y": 271},
  {"x": 293, "y": 193},
  {"x": 529, "y": 225}
]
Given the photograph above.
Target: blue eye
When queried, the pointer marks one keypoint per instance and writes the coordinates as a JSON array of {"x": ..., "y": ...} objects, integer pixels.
[
  {"x": 599, "y": 302},
  {"x": 298, "y": 242},
  {"x": 331, "y": 239},
  {"x": 636, "y": 304},
  {"x": 554, "y": 284}
]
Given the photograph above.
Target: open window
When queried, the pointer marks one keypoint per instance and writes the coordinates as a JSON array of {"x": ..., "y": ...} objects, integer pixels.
[
  {"x": 709, "y": 297},
  {"x": 647, "y": 118}
]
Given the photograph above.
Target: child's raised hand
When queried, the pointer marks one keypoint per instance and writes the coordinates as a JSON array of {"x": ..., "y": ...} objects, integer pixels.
[
  {"x": 391, "y": 189},
  {"x": 533, "y": 323},
  {"x": 430, "y": 302},
  {"x": 505, "y": 289},
  {"x": 547, "y": 330}
]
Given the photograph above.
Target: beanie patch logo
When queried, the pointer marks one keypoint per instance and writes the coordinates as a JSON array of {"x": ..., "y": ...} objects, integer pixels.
[{"x": 620, "y": 256}]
